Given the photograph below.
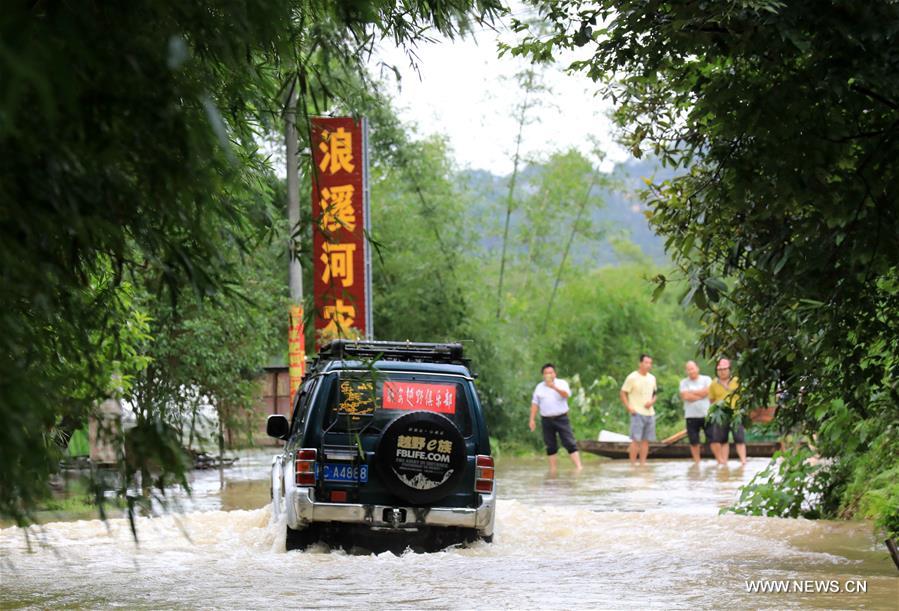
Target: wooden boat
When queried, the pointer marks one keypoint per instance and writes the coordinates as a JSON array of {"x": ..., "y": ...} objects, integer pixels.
[{"x": 658, "y": 449}]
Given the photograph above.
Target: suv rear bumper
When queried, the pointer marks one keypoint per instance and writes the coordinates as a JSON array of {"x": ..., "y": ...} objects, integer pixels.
[{"x": 303, "y": 510}]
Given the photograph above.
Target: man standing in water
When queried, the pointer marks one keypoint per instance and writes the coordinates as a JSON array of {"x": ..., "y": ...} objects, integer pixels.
[
  {"x": 723, "y": 390},
  {"x": 694, "y": 390},
  {"x": 551, "y": 399},
  {"x": 638, "y": 394}
]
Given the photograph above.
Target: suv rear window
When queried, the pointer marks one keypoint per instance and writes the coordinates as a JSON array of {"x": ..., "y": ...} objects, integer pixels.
[{"x": 368, "y": 401}]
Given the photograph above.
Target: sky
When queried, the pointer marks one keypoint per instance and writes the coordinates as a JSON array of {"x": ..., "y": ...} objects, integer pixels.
[{"x": 465, "y": 92}]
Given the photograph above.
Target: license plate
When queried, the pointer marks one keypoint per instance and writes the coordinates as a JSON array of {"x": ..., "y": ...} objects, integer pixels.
[{"x": 346, "y": 473}]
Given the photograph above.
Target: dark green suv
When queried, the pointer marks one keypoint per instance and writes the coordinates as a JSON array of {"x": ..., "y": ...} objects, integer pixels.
[{"x": 386, "y": 448}]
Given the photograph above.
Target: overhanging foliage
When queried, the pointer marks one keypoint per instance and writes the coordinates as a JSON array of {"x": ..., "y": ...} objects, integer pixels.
[
  {"x": 784, "y": 121},
  {"x": 128, "y": 144}
]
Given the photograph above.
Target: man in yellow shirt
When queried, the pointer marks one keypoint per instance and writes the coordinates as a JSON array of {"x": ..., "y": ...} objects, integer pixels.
[
  {"x": 723, "y": 390},
  {"x": 638, "y": 394}
]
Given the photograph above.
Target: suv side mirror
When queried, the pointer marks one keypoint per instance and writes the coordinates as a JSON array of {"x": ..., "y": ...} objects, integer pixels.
[{"x": 277, "y": 426}]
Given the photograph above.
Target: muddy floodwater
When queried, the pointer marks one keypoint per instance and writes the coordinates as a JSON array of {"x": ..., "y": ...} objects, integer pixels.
[{"x": 613, "y": 536}]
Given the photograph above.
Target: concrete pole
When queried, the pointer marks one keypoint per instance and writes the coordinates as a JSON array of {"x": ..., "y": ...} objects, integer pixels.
[
  {"x": 293, "y": 199},
  {"x": 296, "y": 343}
]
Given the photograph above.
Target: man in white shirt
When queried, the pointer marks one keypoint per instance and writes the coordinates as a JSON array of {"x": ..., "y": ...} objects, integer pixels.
[
  {"x": 551, "y": 399},
  {"x": 694, "y": 390},
  {"x": 638, "y": 394}
]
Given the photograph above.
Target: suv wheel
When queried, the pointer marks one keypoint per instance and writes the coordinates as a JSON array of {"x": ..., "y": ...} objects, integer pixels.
[
  {"x": 421, "y": 457},
  {"x": 300, "y": 539}
]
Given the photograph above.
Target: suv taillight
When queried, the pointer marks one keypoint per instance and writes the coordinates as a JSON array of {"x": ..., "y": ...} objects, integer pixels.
[
  {"x": 483, "y": 474},
  {"x": 305, "y": 466}
]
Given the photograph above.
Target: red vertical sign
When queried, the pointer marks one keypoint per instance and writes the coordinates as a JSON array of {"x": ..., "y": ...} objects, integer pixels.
[
  {"x": 339, "y": 208},
  {"x": 296, "y": 349}
]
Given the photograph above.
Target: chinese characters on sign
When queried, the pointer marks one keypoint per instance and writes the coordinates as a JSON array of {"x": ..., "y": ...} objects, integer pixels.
[
  {"x": 341, "y": 258},
  {"x": 296, "y": 349},
  {"x": 440, "y": 398}
]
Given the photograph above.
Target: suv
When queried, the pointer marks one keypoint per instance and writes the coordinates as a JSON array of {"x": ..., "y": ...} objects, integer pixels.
[{"x": 387, "y": 447}]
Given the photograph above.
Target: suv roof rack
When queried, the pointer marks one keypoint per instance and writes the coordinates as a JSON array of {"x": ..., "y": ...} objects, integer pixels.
[{"x": 394, "y": 351}]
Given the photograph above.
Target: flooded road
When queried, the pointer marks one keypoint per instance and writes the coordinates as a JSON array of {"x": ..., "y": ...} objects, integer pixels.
[{"x": 613, "y": 536}]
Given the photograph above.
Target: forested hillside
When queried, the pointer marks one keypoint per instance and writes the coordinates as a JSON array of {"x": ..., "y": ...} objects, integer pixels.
[{"x": 622, "y": 216}]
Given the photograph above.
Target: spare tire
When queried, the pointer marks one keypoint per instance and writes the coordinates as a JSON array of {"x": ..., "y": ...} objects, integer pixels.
[{"x": 421, "y": 457}]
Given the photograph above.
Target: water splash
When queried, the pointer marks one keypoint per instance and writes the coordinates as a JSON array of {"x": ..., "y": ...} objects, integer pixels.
[{"x": 559, "y": 543}]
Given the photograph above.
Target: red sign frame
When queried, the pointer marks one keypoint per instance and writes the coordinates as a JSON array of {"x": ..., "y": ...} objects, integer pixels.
[{"x": 340, "y": 256}]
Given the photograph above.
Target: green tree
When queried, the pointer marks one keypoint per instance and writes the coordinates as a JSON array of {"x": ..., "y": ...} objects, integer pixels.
[
  {"x": 555, "y": 205},
  {"x": 606, "y": 318},
  {"x": 212, "y": 350},
  {"x": 434, "y": 270},
  {"x": 783, "y": 119},
  {"x": 560, "y": 194},
  {"x": 138, "y": 152},
  {"x": 418, "y": 216},
  {"x": 569, "y": 182},
  {"x": 530, "y": 83}
]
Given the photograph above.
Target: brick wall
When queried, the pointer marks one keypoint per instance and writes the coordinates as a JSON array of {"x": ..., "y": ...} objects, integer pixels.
[{"x": 274, "y": 398}]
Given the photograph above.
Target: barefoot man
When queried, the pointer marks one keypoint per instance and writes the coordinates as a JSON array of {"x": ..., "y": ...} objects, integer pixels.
[
  {"x": 694, "y": 390},
  {"x": 638, "y": 394},
  {"x": 724, "y": 390},
  {"x": 551, "y": 399}
]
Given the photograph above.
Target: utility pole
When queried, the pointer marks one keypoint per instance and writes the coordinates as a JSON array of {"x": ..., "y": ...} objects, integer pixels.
[{"x": 296, "y": 334}]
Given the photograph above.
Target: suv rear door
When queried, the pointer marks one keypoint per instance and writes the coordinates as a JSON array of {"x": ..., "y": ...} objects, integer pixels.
[{"x": 357, "y": 406}]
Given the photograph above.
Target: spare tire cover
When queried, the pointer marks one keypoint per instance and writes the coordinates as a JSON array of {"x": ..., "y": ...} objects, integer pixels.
[{"x": 421, "y": 457}]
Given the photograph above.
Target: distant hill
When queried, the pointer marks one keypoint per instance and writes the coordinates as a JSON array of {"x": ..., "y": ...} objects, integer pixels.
[{"x": 622, "y": 215}]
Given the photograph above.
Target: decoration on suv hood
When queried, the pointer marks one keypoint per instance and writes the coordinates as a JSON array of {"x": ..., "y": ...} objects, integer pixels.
[{"x": 357, "y": 398}]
